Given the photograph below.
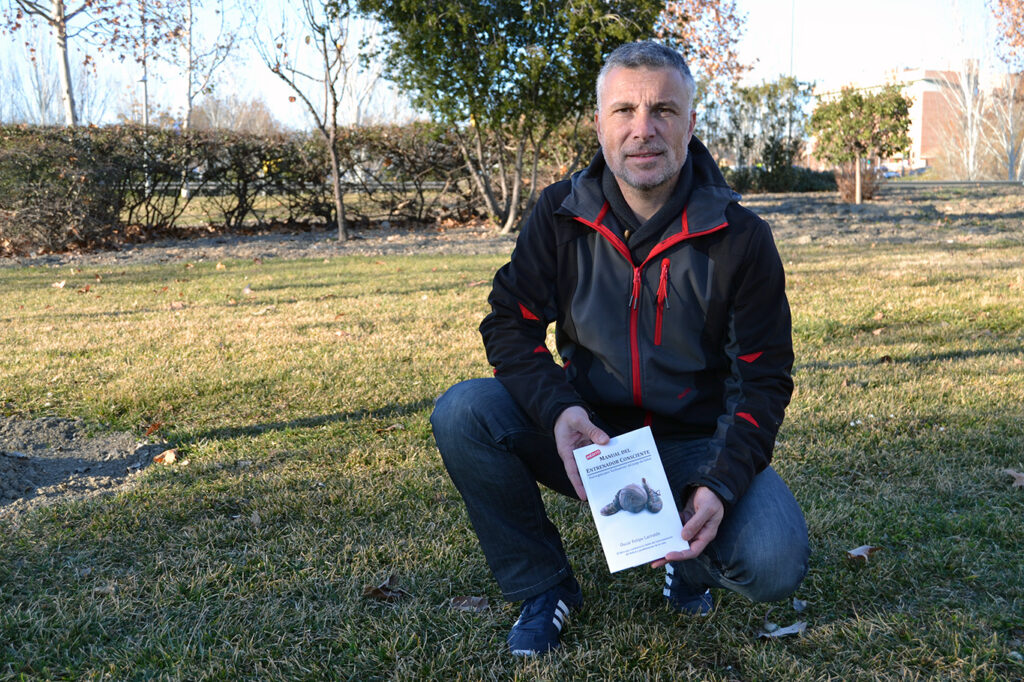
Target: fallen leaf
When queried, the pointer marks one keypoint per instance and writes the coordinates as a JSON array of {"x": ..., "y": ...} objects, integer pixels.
[
  {"x": 221, "y": 266},
  {"x": 885, "y": 360},
  {"x": 1018, "y": 477},
  {"x": 177, "y": 305},
  {"x": 879, "y": 316},
  {"x": 862, "y": 552},
  {"x": 58, "y": 285},
  {"x": 153, "y": 428},
  {"x": 877, "y": 332},
  {"x": 166, "y": 457},
  {"x": 799, "y": 605},
  {"x": 387, "y": 591},
  {"x": 796, "y": 628},
  {"x": 473, "y": 604},
  {"x": 393, "y": 427}
]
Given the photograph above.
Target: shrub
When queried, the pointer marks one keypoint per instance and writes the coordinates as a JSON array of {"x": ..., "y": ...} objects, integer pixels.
[
  {"x": 58, "y": 188},
  {"x": 846, "y": 180}
]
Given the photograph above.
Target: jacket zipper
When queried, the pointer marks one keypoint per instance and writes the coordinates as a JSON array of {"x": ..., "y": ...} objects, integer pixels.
[{"x": 634, "y": 295}]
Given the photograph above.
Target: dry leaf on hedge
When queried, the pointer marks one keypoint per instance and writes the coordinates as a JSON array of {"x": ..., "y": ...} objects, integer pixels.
[
  {"x": 388, "y": 591},
  {"x": 863, "y": 552},
  {"x": 474, "y": 604},
  {"x": 1018, "y": 477},
  {"x": 796, "y": 628}
]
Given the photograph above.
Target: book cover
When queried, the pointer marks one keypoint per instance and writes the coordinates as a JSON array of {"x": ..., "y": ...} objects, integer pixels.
[{"x": 633, "y": 508}]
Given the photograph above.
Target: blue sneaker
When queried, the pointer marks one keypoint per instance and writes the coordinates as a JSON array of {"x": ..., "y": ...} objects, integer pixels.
[
  {"x": 684, "y": 599},
  {"x": 541, "y": 621}
]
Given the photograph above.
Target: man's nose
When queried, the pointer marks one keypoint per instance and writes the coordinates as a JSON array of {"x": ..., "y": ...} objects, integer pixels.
[{"x": 643, "y": 125}]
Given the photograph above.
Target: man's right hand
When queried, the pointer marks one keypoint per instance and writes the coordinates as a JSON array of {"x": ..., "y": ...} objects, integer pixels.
[{"x": 573, "y": 429}]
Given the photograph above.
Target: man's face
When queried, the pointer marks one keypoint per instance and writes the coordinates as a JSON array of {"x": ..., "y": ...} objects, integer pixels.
[{"x": 644, "y": 124}]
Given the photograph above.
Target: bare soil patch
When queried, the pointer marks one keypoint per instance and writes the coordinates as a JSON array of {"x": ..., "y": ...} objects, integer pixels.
[{"x": 51, "y": 459}]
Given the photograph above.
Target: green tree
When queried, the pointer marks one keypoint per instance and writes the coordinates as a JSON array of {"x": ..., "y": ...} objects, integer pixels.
[
  {"x": 504, "y": 75},
  {"x": 763, "y": 125},
  {"x": 856, "y": 126}
]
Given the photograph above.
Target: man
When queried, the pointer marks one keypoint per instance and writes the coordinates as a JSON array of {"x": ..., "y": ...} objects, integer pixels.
[{"x": 670, "y": 311}]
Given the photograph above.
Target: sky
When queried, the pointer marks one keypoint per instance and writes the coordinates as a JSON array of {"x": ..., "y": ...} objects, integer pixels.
[
  {"x": 837, "y": 43},
  {"x": 828, "y": 42}
]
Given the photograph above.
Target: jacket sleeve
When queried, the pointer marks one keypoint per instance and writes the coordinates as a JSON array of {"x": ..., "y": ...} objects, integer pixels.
[
  {"x": 759, "y": 349},
  {"x": 523, "y": 304}
]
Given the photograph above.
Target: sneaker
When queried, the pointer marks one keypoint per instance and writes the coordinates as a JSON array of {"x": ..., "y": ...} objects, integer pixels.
[
  {"x": 541, "y": 621},
  {"x": 684, "y": 599}
]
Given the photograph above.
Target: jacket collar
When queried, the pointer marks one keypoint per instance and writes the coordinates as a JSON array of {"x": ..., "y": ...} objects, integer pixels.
[{"x": 703, "y": 211}]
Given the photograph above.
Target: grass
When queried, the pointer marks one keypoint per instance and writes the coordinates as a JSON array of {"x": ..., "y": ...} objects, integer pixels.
[{"x": 303, "y": 413}]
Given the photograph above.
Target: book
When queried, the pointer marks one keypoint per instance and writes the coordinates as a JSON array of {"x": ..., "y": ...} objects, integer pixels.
[{"x": 633, "y": 508}]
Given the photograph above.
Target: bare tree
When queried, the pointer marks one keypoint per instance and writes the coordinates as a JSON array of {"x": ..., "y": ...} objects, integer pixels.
[
  {"x": 86, "y": 21},
  {"x": 1004, "y": 138},
  {"x": 202, "y": 55},
  {"x": 232, "y": 112},
  {"x": 968, "y": 104},
  {"x": 319, "y": 69},
  {"x": 30, "y": 85}
]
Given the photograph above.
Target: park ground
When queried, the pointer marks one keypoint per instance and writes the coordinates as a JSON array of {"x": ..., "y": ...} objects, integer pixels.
[{"x": 292, "y": 376}]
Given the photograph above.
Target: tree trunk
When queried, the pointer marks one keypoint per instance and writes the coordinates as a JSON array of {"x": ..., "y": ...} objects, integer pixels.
[
  {"x": 857, "y": 192},
  {"x": 339, "y": 191},
  {"x": 60, "y": 27}
]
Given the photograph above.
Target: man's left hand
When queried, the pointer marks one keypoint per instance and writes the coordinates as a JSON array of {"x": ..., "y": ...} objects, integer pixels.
[{"x": 702, "y": 515}]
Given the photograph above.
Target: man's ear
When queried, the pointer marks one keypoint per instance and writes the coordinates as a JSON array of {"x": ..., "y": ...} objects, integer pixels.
[{"x": 597, "y": 126}]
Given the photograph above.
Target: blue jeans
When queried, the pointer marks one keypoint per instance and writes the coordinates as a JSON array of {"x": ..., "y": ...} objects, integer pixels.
[{"x": 496, "y": 455}]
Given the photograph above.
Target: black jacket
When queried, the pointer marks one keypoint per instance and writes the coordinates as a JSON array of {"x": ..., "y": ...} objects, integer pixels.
[{"x": 686, "y": 327}]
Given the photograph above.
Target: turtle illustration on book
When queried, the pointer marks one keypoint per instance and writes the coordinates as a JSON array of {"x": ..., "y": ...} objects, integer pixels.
[{"x": 634, "y": 498}]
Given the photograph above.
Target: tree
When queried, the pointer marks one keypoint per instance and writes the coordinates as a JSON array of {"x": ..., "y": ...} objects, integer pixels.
[
  {"x": 30, "y": 85},
  {"x": 201, "y": 58},
  {"x": 235, "y": 113},
  {"x": 1009, "y": 16},
  {"x": 319, "y": 83},
  {"x": 968, "y": 104},
  {"x": 706, "y": 32},
  {"x": 504, "y": 75},
  {"x": 764, "y": 125},
  {"x": 1005, "y": 123},
  {"x": 62, "y": 25},
  {"x": 858, "y": 125}
]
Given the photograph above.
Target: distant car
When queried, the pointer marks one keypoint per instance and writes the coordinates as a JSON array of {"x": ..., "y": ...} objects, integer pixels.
[{"x": 890, "y": 174}]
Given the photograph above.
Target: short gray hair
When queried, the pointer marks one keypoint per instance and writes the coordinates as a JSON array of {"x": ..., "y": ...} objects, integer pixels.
[{"x": 646, "y": 54}]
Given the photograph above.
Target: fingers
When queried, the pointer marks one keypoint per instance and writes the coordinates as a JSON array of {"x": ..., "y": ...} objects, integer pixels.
[{"x": 573, "y": 429}]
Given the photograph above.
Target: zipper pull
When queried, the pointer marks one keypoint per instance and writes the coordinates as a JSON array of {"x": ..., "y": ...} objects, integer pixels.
[
  {"x": 663, "y": 284},
  {"x": 634, "y": 296}
]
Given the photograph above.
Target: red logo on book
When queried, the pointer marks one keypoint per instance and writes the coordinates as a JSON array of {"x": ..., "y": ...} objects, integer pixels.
[{"x": 592, "y": 455}]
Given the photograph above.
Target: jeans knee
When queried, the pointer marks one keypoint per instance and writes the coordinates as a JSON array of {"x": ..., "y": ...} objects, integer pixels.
[{"x": 779, "y": 575}]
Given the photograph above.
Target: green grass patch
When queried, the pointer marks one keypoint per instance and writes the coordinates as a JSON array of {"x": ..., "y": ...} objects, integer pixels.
[{"x": 302, "y": 408}]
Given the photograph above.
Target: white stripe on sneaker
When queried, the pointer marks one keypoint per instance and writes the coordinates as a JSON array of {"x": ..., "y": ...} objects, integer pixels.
[{"x": 561, "y": 614}]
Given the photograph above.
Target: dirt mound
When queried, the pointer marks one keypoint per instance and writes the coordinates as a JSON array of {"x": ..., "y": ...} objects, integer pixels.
[{"x": 50, "y": 459}]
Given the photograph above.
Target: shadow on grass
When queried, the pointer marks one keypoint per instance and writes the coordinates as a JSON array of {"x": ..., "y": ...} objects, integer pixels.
[
  {"x": 382, "y": 413},
  {"x": 910, "y": 359}
]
